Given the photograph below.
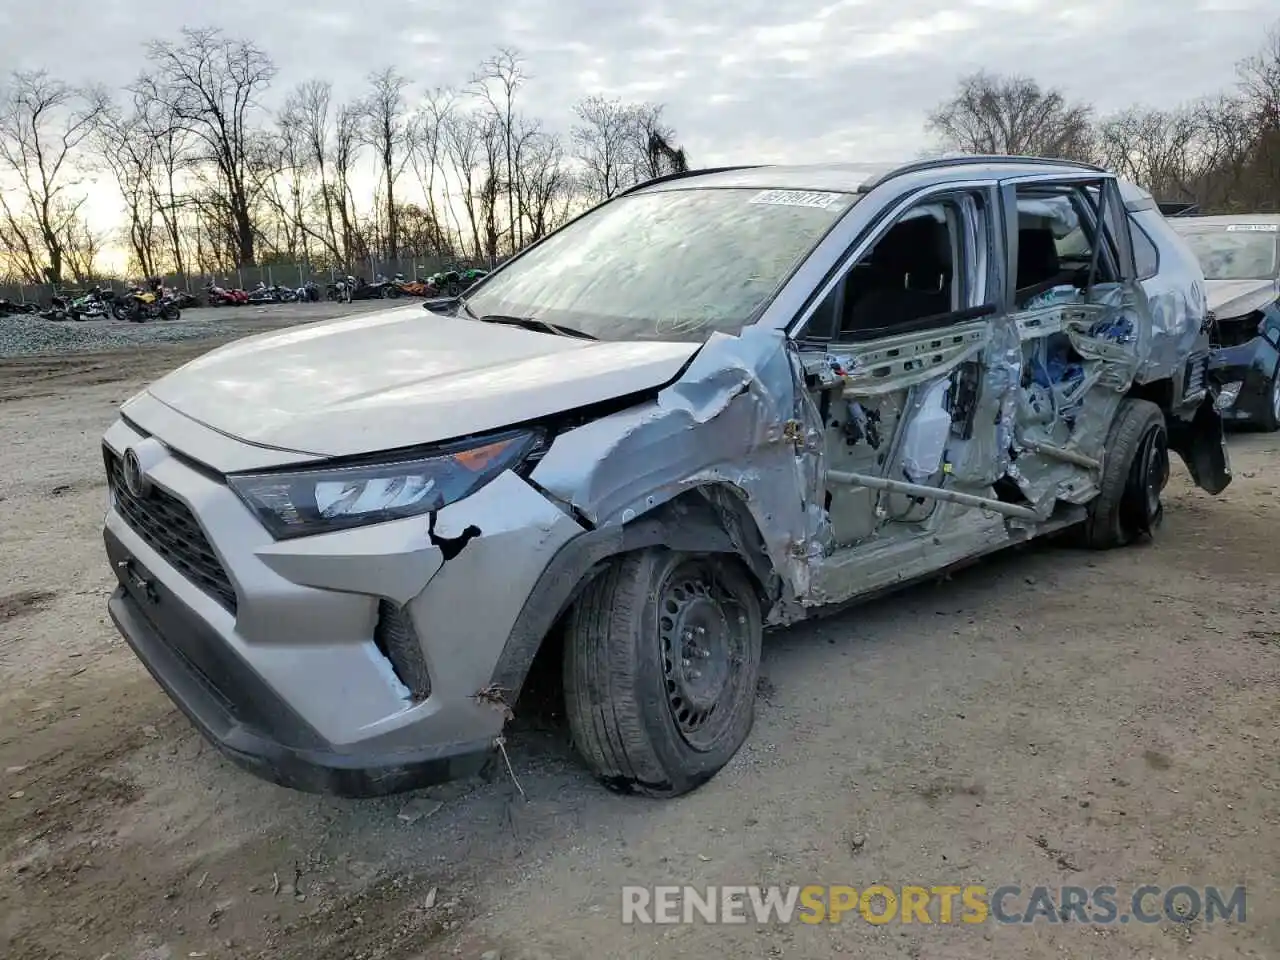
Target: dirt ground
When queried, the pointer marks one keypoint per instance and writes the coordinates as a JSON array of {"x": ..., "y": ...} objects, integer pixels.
[{"x": 1047, "y": 717}]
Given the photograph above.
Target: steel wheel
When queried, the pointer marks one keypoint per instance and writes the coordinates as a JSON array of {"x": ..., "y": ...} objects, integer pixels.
[
  {"x": 704, "y": 637},
  {"x": 1151, "y": 472}
]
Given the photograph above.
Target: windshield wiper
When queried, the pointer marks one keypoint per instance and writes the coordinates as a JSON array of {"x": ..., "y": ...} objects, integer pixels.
[{"x": 533, "y": 323}]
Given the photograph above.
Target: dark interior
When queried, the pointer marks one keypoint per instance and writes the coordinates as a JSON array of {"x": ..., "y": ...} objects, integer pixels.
[
  {"x": 906, "y": 276},
  {"x": 1039, "y": 267}
]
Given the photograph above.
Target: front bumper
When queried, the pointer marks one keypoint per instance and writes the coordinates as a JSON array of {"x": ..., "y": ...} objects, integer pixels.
[
  {"x": 257, "y": 730},
  {"x": 287, "y": 676}
]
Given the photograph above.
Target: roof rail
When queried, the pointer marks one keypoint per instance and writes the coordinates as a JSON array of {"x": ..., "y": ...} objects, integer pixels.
[
  {"x": 995, "y": 158},
  {"x": 680, "y": 175}
]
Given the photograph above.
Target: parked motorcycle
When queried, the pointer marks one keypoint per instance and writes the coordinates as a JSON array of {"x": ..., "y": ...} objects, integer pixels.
[
  {"x": 10, "y": 309},
  {"x": 262, "y": 294},
  {"x": 90, "y": 306},
  {"x": 184, "y": 299},
  {"x": 140, "y": 304},
  {"x": 216, "y": 296},
  {"x": 450, "y": 283},
  {"x": 377, "y": 290}
]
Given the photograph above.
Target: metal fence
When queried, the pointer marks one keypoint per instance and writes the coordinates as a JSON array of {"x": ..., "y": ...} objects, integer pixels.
[{"x": 246, "y": 278}]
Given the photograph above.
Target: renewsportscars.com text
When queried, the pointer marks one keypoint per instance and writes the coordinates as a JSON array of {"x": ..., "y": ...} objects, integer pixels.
[{"x": 939, "y": 904}]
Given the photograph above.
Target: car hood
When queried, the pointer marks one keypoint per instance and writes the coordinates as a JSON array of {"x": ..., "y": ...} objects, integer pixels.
[
  {"x": 1234, "y": 298},
  {"x": 403, "y": 377}
]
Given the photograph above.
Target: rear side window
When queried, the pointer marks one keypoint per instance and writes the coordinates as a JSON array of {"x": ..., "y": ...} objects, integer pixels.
[{"x": 1145, "y": 252}]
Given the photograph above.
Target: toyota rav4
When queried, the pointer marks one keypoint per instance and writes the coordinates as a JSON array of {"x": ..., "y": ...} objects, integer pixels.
[{"x": 716, "y": 403}]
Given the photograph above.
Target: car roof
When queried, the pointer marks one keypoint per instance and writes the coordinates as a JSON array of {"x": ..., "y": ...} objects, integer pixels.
[
  {"x": 862, "y": 177},
  {"x": 1193, "y": 224}
]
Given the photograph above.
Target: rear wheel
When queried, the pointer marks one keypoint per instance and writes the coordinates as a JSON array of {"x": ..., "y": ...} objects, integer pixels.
[
  {"x": 661, "y": 660},
  {"x": 1134, "y": 474}
]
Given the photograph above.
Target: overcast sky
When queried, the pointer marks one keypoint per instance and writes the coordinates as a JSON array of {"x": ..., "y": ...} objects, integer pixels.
[{"x": 751, "y": 80}]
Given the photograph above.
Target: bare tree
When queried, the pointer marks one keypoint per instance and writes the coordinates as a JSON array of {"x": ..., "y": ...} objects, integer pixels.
[
  {"x": 307, "y": 110},
  {"x": 546, "y": 186},
  {"x": 388, "y": 131},
  {"x": 209, "y": 84},
  {"x": 428, "y": 156},
  {"x": 462, "y": 138},
  {"x": 1216, "y": 152},
  {"x": 496, "y": 83},
  {"x": 991, "y": 114},
  {"x": 43, "y": 124},
  {"x": 346, "y": 151},
  {"x": 620, "y": 144},
  {"x": 1159, "y": 149},
  {"x": 602, "y": 142},
  {"x": 130, "y": 154},
  {"x": 655, "y": 141},
  {"x": 1260, "y": 88},
  {"x": 81, "y": 246}
]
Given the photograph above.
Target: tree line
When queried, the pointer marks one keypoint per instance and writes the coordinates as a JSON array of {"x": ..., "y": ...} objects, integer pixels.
[
  {"x": 1220, "y": 153},
  {"x": 212, "y": 178}
]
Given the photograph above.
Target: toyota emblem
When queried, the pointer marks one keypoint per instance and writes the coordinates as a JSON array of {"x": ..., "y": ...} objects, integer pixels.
[{"x": 134, "y": 481}]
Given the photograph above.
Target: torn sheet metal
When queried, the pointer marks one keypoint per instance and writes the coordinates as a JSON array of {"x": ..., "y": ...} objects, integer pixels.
[{"x": 740, "y": 417}]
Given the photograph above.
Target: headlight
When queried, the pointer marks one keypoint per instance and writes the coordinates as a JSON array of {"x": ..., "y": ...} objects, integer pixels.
[
  {"x": 1228, "y": 393},
  {"x": 319, "y": 500}
]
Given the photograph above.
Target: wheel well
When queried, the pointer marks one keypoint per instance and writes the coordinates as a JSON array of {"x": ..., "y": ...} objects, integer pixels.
[
  {"x": 708, "y": 519},
  {"x": 713, "y": 519},
  {"x": 1159, "y": 392}
]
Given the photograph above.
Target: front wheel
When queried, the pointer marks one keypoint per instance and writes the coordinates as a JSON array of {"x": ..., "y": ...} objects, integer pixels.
[
  {"x": 1134, "y": 474},
  {"x": 661, "y": 660}
]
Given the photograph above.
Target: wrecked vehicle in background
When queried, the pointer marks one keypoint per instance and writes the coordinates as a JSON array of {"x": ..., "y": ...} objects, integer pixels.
[
  {"x": 1240, "y": 255},
  {"x": 719, "y": 401}
]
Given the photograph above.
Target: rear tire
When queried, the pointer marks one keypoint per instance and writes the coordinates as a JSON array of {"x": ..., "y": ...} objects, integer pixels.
[
  {"x": 662, "y": 654},
  {"x": 1134, "y": 474}
]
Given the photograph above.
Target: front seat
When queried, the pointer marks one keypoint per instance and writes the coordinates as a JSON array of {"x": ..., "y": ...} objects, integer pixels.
[{"x": 912, "y": 266}]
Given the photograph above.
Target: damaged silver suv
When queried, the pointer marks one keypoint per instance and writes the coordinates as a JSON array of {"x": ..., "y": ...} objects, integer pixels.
[{"x": 712, "y": 404}]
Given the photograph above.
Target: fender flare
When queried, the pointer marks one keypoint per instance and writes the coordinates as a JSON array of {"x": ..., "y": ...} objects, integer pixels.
[{"x": 710, "y": 519}]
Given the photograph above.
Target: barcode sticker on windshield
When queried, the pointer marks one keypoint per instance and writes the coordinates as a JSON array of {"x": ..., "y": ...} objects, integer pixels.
[
  {"x": 798, "y": 198},
  {"x": 1254, "y": 227}
]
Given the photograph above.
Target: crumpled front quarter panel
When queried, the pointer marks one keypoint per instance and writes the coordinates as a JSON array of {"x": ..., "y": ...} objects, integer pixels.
[{"x": 737, "y": 418}]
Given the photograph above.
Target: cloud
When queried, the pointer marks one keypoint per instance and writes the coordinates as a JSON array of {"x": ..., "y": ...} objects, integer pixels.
[{"x": 757, "y": 80}]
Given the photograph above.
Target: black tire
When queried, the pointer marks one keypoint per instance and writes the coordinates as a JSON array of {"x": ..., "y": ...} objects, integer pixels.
[
  {"x": 1270, "y": 418},
  {"x": 641, "y": 715},
  {"x": 1134, "y": 474}
]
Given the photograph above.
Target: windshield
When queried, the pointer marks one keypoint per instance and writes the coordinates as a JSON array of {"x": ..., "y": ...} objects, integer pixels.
[
  {"x": 668, "y": 265},
  {"x": 1237, "y": 254}
]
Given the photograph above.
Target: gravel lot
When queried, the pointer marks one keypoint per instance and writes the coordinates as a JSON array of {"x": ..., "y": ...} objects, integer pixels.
[
  {"x": 1048, "y": 717},
  {"x": 30, "y": 335}
]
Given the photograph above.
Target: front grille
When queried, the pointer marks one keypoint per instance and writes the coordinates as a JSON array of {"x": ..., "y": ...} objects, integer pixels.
[{"x": 171, "y": 530}]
